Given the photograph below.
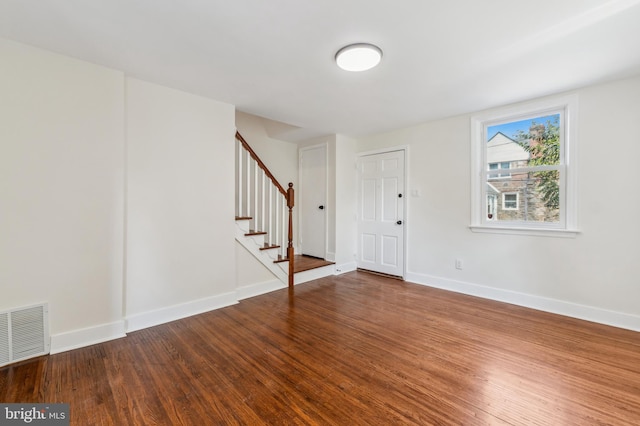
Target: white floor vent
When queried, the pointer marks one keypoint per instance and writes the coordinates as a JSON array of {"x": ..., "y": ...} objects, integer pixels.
[{"x": 24, "y": 333}]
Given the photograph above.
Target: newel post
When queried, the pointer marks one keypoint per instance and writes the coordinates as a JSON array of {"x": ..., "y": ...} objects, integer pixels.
[{"x": 290, "y": 195}]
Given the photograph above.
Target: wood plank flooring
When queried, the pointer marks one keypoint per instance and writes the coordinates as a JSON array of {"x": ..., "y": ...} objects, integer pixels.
[{"x": 357, "y": 349}]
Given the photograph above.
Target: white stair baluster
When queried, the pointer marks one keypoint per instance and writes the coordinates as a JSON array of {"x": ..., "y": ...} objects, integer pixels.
[
  {"x": 263, "y": 183},
  {"x": 256, "y": 212},
  {"x": 247, "y": 184},
  {"x": 276, "y": 241},
  {"x": 239, "y": 163},
  {"x": 270, "y": 209}
]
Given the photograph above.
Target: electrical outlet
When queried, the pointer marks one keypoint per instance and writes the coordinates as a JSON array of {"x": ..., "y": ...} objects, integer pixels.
[{"x": 458, "y": 263}]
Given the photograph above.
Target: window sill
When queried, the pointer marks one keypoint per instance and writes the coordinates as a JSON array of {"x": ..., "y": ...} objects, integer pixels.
[{"x": 518, "y": 230}]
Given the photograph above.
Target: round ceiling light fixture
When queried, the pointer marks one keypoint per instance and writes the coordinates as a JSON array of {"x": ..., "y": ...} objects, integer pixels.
[{"x": 358, "y": 57}]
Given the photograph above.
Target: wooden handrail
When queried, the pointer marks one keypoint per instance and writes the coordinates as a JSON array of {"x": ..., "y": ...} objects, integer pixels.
[
  {"x": 264, "y": 168},
  {"x": 289, "y": 196}
]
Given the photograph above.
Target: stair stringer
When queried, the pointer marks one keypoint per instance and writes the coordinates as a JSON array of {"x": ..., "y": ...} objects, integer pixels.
[{"x": 266, "y": 257}]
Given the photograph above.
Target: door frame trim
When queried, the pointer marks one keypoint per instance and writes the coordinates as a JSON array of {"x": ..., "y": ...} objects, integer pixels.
[
  {"x": 301, "y": 150},
  {"x": 405, "y": 201}
]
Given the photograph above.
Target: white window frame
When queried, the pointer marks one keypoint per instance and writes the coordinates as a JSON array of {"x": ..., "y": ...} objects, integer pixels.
[
  {"x": 567, "y": 226},
  {"x": 504, "y": 201},
  {"x": 498, "y": 171}
]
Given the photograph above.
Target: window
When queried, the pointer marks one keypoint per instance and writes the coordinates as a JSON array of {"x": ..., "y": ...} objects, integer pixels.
[
  {"x": 534, "y": 142},
  {"x": 499, "y": 166},
  {"x": 510, "y": 201}
]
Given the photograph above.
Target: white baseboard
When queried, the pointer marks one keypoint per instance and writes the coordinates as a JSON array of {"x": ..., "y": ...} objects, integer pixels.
[
  {"x": 87, "y": 336},
  {"x": 331, "y": 257},
  {"x": 343, "y": 268},
  {"x": 258, "y": 289},
  {"x": 175, "y": 312},
  {"x": 569, "y": 309}
]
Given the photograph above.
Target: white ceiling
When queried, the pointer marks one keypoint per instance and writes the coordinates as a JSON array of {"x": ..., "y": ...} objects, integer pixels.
[{"x": 274, "y": 58}]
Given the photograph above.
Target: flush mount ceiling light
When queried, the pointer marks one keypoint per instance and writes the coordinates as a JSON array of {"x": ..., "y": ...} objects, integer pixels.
[{"x": 358, "y": 57}]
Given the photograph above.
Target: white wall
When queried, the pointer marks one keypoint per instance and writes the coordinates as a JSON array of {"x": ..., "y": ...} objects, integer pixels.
[
  {"x": 70, "y": 134},
  {"x": 250, "y": 272},
  {"x": 330, "y": 206},
  {"x": 61, "y": 192},
  {"x": 180, "y": 204},
  {"x": 345, "y": 202},
  {"x": 279, "y": 156},
  {"x": 591, "y": 276},
  {"x": 341, "y": 200}
]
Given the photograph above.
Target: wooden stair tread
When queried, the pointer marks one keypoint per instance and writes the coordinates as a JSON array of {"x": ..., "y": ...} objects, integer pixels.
[
  {"x": 252, "y": 232},
  {"x": 303, "y": 263},
  {"x": 268, "y": 247},
  {"x": 243, "y": 218}
]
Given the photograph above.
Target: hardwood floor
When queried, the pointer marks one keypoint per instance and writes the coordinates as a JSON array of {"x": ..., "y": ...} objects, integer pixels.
[{"x": 358, "y": 349}]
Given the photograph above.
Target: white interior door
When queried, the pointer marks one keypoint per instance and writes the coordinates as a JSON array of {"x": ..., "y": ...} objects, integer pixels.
[
  {"x": 381, "y": 213},
  {"x": 312, "y": 198}
]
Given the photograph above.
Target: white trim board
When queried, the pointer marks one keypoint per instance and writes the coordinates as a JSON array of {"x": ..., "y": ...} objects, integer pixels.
[
  {"x": 76, "y": 339},
  {"x": 574, "y": 310},
  {"x": 87, "y": 336},
  {"x": 176, "y": 312},
  {"x": 343, "y": 268}
]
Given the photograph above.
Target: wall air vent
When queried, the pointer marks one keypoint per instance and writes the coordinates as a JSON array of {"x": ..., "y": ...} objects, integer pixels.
[{"x": 24, "y": 333}]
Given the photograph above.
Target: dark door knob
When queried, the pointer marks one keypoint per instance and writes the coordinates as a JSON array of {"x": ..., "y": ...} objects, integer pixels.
[
  {"x": 399, "y": 222},
  {"x": 321, "y": 207}
]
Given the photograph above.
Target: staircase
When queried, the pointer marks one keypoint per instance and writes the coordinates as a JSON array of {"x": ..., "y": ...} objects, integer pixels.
[
  {"x": 264, "y": 219},
  {"x": 264, "y": 213}
]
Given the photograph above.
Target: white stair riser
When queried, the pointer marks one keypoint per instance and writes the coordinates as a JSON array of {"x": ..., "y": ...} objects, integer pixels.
[
  {"x": 243, "y": 225},
  {"x": 271, "y": 253},
  {"x": 314, "y": 274},
  {"x": 258, "y": 240}
]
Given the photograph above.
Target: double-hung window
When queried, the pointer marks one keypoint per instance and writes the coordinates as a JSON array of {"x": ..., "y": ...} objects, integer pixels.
[
  {"x": 524, "y": 158},
  {"x": 499, "y": 166},
  {"x": 510, "y": 201}
]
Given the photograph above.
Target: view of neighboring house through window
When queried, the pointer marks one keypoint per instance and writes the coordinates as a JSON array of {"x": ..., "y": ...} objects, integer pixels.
[
  {"x": 530, "y": 150},
  {"x": 521, "y": 179}
]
